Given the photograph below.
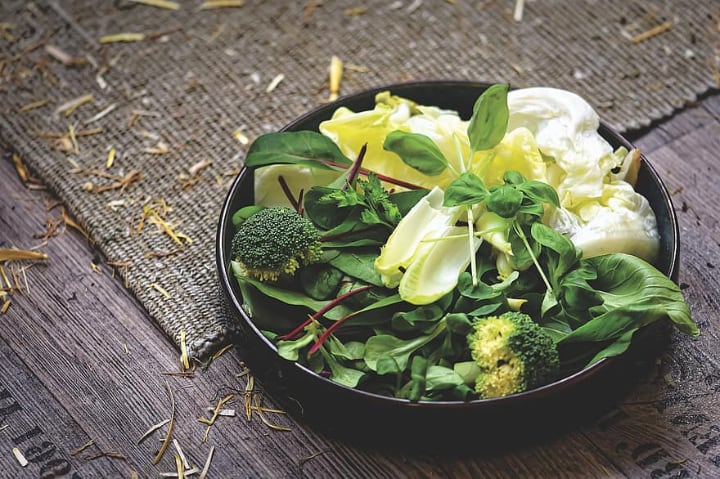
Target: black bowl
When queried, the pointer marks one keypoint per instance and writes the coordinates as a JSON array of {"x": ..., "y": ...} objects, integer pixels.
[{"x": 370, "y": 417}]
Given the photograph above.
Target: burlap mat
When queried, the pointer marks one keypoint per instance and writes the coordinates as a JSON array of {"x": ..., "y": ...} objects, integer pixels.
[{"x": 178, "y": 105}]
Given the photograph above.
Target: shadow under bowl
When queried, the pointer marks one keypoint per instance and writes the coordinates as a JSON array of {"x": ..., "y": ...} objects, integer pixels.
[{"x": 369, "y": 417}]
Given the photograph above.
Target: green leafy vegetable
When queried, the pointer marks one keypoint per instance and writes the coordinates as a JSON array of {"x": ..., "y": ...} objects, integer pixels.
[
  {"x": 295, "y": 147},
  {"x": 490, "y": 118},
  {"x": 417, "y": 151},
  {"x": 634, "y": 294},
  {"x": 391, "y": 302}
]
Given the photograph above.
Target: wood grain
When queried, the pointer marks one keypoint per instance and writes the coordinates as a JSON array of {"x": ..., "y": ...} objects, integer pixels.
[{"x": 83, "y": 361}]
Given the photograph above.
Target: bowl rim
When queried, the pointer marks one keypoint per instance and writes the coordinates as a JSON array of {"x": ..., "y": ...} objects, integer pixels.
[{"x": 550, "y": 389}]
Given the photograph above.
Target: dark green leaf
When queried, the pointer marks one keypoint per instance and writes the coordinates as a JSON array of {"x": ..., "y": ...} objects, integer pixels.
[
  {"x": 405, "y": 200},
  {"x": 418, "y": 319},
  {"x": 458, "y": 323},
  {"x": 320, "y": 280},
  {"x": 522, "y": 258},
  {"x": 382, "y": 345},
  {"x": 438, "y": 378},
  {"x": 615, "y": 348},
  {"x": 325, "y": 216},
  {"x": 418, "y": 369},
  {"x": 307, "y": 148},
  {"x": 341, "y": 373},
  {"x": 359, "y": 264},
  {"x": 289, "y": 296},
  {"x": 565, "y": 255}
]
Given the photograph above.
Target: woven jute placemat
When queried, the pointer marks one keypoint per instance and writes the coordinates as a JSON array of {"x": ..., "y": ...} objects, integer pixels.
[{"x": 138, "y": 116}]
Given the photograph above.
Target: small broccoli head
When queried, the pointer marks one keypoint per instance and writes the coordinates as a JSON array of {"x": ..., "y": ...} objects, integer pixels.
[
  {"x": 275, "y": 241},
  {"x": 513, "y": 353}
]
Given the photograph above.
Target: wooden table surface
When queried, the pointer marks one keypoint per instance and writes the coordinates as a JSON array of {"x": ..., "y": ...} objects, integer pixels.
[{"x": 84, "y": 371}]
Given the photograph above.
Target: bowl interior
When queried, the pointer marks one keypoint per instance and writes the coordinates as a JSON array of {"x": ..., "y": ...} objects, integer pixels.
[{"x": 295, "y": 379}]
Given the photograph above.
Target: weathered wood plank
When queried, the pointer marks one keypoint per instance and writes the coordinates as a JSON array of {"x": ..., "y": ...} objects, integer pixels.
[{"x": 39, "y": 426}]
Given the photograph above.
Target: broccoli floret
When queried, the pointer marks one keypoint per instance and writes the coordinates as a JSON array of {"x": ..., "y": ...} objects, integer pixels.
[
  {"x": 275, "y": 242},
  {"x": 513, "y": 354}
]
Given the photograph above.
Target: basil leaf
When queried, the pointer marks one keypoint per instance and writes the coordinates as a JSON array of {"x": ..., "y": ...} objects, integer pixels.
[
  {"x": 467, "y": 189},
  {"x": 564, "y": 254},
  {"x": 489, "y": 120},
  {"x": 505, "y": 201},
  {"x": 307, "y": 148},
  {"x": 512, "y": 177},
  {"x": 417, "y": 151},
  {"x": 540, "y": 192}
]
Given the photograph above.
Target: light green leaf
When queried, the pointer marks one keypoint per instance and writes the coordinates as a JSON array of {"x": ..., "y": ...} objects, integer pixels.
[
  {"x": 416, "y": 150},
  {"x": 490, "y": 118}
]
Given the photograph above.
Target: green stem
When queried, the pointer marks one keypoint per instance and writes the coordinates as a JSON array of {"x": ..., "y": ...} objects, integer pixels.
[
  {"x": 522, "y": 236},
  {"x": 471, "y": 249}
]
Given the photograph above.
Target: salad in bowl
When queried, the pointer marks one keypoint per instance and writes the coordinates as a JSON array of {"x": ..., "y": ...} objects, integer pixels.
[{"x": 413, "y": 253}]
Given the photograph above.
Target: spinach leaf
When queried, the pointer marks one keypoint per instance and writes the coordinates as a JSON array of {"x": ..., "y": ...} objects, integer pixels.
[
  {"x": 288, "y": 296},
  {"x": 405, "y": 200},
  {"x": 560, "y": 253},
  {"x": 388, "y": 365},
  {"x": 376, "y": 310},
  {"x": 320, "y": 280},
  {"x": 418, "y": 319},
  {"x": 307, "y": 148},
  {"x": 341, "y": 373},
  {"x": 290, "y": 349},
  {"x": 438, "y": 378},
  {"x": 325, "y": 215},
  {"x": 417, "y": 151},
  {"x": 634, "y": 295},
  {"x": 386, "y": 345},
  {"x": 358, "y": 263},
  {"x": 418, "y": 370}
]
